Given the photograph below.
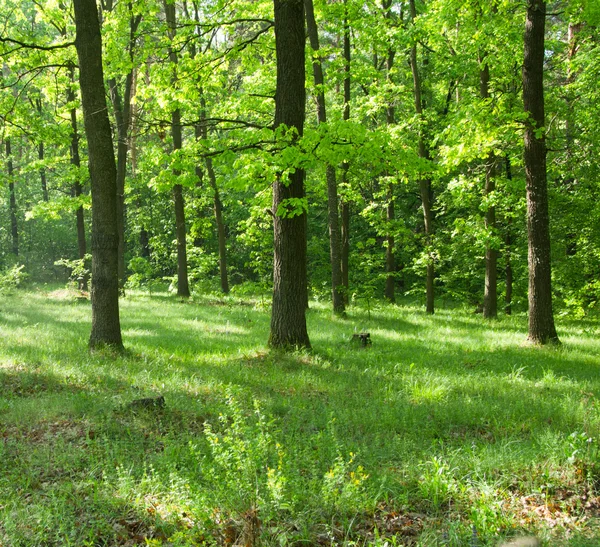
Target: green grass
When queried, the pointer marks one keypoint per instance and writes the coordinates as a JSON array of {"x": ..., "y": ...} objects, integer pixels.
[{"x": 444, "y": 425}]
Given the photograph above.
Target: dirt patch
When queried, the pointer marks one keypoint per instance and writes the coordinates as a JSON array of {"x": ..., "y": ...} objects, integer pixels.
[{"x": 69, "y": 295}]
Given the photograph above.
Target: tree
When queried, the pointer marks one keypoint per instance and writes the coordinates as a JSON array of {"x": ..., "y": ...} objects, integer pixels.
[
  {"x": 288, "y": 318},
  {"x": 541, "y": 319},
  {"x": 333, "y": 216},
  {"x": 183, "y": 288},
  {"x": 106, "y": 328}
]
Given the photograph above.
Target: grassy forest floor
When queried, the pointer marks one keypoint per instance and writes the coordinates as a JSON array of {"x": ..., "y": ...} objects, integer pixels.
[{"x": 447, "y": 430}]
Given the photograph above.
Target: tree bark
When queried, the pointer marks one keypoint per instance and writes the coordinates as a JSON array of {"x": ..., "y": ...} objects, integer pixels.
[
  {"x": 288, "y": 317},
  {"x": 490, "y": 293},
  {"x": 12, "y": 205},
  {"x": 335, "y": 251},
  {"x": 424, "y": 182},
  {"x": 541, "y": 319},
  {"x": 183, "y": 288},
  {"x": 106, "y": 329}
]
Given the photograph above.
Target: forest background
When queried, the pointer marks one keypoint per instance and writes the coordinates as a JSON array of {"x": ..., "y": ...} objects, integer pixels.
[{"x": 422, "y": 143}]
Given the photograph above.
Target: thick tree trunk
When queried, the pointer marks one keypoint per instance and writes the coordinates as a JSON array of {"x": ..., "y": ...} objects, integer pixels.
[
  {"x": 345, "y": 204},
  {"x": 290, "y": 295},
  {"x": 183, "y": 288},
  {"x": 76, "y": 189},
  {"x": 12, "y": 204},
  {"x": 335, "y": 251},
  {"x": 106, "y": 329},
  {"x": 541, "y": 319},
  {"x": 424, "y": 182},
  {"x": 490, "y": 293}
]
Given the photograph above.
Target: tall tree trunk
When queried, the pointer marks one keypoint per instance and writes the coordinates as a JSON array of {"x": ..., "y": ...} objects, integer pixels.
[
  {"x": 76, "y": 189},
  {"x": 390, "y": 262},
  {"x": 507, "y": 253},
  {"x": 335, "y": 251},
  {"x": 123, "y": 115},
  {"x": 12, "y": 205},
  {"x": 425, "y": 181},
  {"x": 290, "y": 294},
  {"x": 106, "y": 328},
  {"x": 183, "y": 288},
  {"x": 490, "y": 293},
  {"x": 41, "y": 155},
  {"x": 541, "y": 319},
  {"x": 345, "y": 203},
  {"x": 202, "y": 132}
]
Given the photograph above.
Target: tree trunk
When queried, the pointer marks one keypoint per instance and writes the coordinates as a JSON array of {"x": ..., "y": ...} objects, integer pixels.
[
  {"x": 541, "y": 319},
  {"x": 288, "y": 318},
  {"x": 183, "y": 288},
  {"x": 507, "y": 254},
  {"x": 41, "y": 155},
  {"x": 424, "y": 182},
  {"x": 106, "y": 329},
  {"x": 202, "y": 132},
  {"x": 335, "y": 251},
  {"x": 345, "y": 204},
  {"x": 490, "y": 293},
  {"x": 390, "y": 262},
  {"x": 76, "y": 189},
  {"x": 14, "y": 228}
]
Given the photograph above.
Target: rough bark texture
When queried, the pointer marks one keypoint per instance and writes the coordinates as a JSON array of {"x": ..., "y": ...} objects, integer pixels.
[
  {"x": 541, "y": 319},
  {"x": 345, "y": 205},
  {"x": 106, "y": 329},
  {"x": 425, "y": 182},
  {"x": 12, "y": 204},
  {"x": 490, "y": 293},
  {"x": 76, "y": 189},
  {"x": 288, "y": 318},
  {"x": 335, "y": 251},
  {"x": 183, "y": 288}
]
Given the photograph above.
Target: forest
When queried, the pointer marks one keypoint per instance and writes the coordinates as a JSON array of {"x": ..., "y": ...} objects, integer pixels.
[{"x": 260, "y": 217}]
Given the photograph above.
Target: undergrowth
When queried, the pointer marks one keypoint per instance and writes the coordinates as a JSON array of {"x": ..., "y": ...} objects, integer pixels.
[{"x": 447, "y": 430}]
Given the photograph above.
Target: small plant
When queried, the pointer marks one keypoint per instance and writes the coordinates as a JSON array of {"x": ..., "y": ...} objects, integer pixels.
[
  {"x": 12, "y": 278},
  {"x": 78, "y": 269}
]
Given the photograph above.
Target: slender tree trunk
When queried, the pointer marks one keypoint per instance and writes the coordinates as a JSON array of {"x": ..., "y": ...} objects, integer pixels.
[
  {"x": 202, "y": 132},
  {"x": 335, "y": 251},
  {"x": 12, "y": 205},
  {"x": 424, "y": 182},
  {"x": 41, "y": 155},
  {"x": 507, "y": 254},
  {"x": 490, "y": 294},
  {"x": 76, "y": 189},
  {"x": 541, "y": 319},
  {"x": 123, "y": 115},
  {"x": 183, "y": 288},
  {"x": 290, "y": 294},
  {"x": 345, "y": 203},
  {"x": 390, "y": 262},
  {"x": 106, "y": 329}
]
